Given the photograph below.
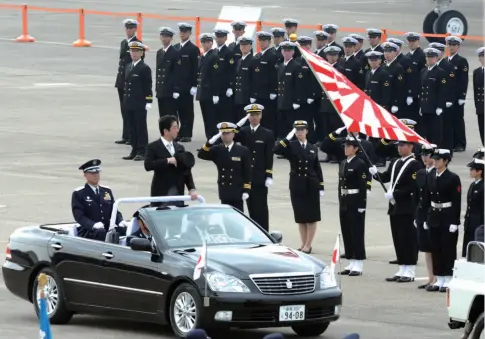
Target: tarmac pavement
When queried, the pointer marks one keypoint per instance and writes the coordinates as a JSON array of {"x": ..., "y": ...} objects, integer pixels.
[{"x": 60, "y": 109}]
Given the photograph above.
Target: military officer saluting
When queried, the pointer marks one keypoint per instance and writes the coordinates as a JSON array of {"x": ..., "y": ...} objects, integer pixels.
[
  {"x": 259, "y": 141},
  {"x": 331, "y": 30},
  {"x": 461, "y": 87},
  {"x": 478, "y": 90},
  {"x": 433, "y": 97},
  {"x": 233, "y": 163},
  {"x": 264, "y": 80},
  {"x": 167, "y": 58},
  {"x": 398, "y": 85},
  {"x": 92, "y": 205},
  {"x": 138, "y": 98},
  {"x": 352, "y": 191},
  {"x": 125, "y": 58},
  {"x": 278, "y": 37}
]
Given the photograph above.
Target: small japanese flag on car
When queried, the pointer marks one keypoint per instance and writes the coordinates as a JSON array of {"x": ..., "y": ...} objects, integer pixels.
[
  {"x": 201, "y": 262},
  {"x": 335, "y": 255}
]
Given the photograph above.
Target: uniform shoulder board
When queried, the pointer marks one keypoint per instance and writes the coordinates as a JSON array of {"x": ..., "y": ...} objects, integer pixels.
[
  {"x": 78, "y": 189},
  {"x": 105, "y": 187}
]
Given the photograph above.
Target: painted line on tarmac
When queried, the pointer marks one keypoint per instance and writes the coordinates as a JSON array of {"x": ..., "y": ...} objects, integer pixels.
[
  {"x": 240, "y": 14},
  {"x": 60, "y": 43}
]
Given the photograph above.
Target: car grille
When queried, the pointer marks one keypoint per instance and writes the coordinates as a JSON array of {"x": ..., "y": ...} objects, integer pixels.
[{"x": 284, "y": 284}]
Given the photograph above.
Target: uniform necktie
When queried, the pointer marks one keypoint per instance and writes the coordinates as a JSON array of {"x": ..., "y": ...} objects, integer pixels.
[
  {"x": 253, "y": 130},
  {"x": 170, "y": 148},
  {"x": 303, "y": 146},
  {"x": 97, "y": 191},
  {"x": 228, "y": 149}
]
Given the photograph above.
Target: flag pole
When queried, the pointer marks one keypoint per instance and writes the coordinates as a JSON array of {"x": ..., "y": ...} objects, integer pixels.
[
  {"x": 206, "y": 294},
  {"x": 339, "y": 262},
  {"x": 336, "y": 110}
]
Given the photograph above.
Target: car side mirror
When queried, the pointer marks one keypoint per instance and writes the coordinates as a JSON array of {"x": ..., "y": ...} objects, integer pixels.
[
  {"x": 277, "y": 236},
  {"x": 141, "y": 244}
]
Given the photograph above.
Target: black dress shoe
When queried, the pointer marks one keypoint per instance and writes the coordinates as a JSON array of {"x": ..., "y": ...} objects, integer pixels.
[
  {"x": 309, "y": 251},
  {"x": 185, "y": 139},
  {"x": 394, "y": 278},
  {"x": 405, "y": 280},
  {"x": 354, "y": 274},
  {"x": 393, "y": 262},
  {"x": 423, "y": 287},
  {"x": 128, "y": 142},
  {"x": 120, "y": 142},
  {"x": 280, "y": 157},
  {"x": 343, "y": 256},
  {"x": 432, "y": 288},
  {"x": 459, "y": 149},
  {"x": 139, "y": 157},
  {"x": 443, "y": 289},
  {"x": 344, "y": 272},
  {"x": 130, "y": 157}
]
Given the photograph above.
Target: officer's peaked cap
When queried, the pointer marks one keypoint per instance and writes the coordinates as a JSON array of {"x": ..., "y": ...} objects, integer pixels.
[
  {"x": 290, "y": 22},
  {"x": 390, "y": 46},
  {"x": 92, "y": 166},
  {"x": 321, "y": 34},
  {"x": 357, "y": 37},
  {"x": 166, "y": 31},
  {"x": 184, "y": 26},
  {"x": 262, "y": 35},
  {"x": 277, "y": 32},
  {"x": 254, "y": 108},
  {"x": 412, "y": 36},
  {"x": 441, "y": 153},
  {"x": 225, "y": 127},
  {"x": 349, "y": 40},
  {"x": 130, "y": 23},
  {"x": 304, "y": 39},
  {"x": 332, "y": 50},
  {"x": 480, "y": 51},
  {"x": 245, "y": 40},
  {"x": 136, "y": 45},
  {"x": 432, "y": 52},
  {"x": 480, "y": 153},
  {"x": 373, "y": 55},
  {"x": 287, "y": 45},
  {"x": 453, "y": 40},
  {"x": 220, "y": 31},
  {"x": 330, "y": 28},
  {"x": 185, "y": 160},
  {"x": 374, "y": 32},
  {"x": 206, "y": 37},
  {"x": 300, "y": 124},
  {"x": 477, "y": 164},
  {"x": 438, "y": 46},
  {"x": 398, "y": 42},
  {"x": 237, "y": 24},
  {"x": 408, "y": 122}
]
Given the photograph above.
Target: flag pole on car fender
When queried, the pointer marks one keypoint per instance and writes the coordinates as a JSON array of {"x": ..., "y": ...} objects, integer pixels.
[
  {"x": 206, "y": 294},
  {"x": 335, "y": 107}
]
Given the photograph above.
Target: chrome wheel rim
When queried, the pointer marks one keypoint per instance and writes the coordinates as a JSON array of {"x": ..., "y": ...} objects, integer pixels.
[
  {"x": 51, "y": 295},
  {"x": 455, "y": 26},
  {"x": 185, "y": 312}
]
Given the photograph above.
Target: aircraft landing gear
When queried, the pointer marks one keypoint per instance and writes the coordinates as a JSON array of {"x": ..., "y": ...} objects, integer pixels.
[{"x": 442, "y": 20}]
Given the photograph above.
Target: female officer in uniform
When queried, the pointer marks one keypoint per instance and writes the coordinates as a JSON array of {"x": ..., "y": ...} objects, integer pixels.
[
  {"x": 474, "y": 200},
  {"x": 306, "y": 181}
]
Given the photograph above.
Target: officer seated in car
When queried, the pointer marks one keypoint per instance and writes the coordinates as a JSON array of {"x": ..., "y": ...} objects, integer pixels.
[{"x": 141, "y": 232}]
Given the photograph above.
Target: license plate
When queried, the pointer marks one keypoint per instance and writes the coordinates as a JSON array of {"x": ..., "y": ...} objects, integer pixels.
[{"x": 292, "y": 313}]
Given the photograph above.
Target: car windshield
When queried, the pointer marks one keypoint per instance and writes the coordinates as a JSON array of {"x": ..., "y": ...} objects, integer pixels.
[{"x": 186, "y": 228}]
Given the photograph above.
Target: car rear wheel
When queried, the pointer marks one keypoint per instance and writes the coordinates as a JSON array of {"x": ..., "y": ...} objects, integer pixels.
[
  {"x": 54, "y": 296},
  {"x": 310, "y": 330},
  {"x": 185, "y": 306},
  {"x": 478, "y": 328}
]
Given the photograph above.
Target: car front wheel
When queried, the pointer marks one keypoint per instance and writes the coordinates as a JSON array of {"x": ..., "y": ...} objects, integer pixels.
[
  {"x": 185, "y": 307},
  {"x": 478, "y": 328},
  {"x": 310, "y": 330},
  {"x": 54, "y": 297}
]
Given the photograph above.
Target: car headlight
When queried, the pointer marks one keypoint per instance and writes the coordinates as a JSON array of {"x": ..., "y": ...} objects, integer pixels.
[
  {"x": 220, "y": 282},
  {"x": 327, "y": 279}
]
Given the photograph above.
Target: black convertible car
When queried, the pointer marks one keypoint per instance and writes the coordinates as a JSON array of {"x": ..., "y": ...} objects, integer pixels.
[{"x": 250, "y": 280}]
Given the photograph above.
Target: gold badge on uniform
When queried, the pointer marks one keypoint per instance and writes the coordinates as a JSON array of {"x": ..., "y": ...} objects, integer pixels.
[
  {"x": 410, "y": 70},
  {"x": 276, "y": 66},
  {"x": 216, "y": 66},
  {"x": 107, "y": 196},
  {"x": 180, "y": 62},
  {"x": 452, "y": 75},
  {"x": 399, "y": 77},
  {"x": 414, "y": 175},
  {"x": 465, "y": 69},
  {"x": 361, "y": 71},
  {"x": 231, "y": 61},
  {"x": 256, "y": 69},
  {"x": 300, "y": 75},
  {"x": 443, "y": 81},
  {"x": 364, "y": 176},
  {"x": 386, "y": 83},
  {"x": 236, "y": 159}
]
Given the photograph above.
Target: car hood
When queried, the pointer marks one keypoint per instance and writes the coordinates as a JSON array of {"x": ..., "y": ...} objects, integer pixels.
[{"x": 243, "y": 260}]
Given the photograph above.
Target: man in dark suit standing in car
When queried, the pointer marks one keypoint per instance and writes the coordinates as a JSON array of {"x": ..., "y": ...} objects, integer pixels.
[{"x": 170, "y": 162}]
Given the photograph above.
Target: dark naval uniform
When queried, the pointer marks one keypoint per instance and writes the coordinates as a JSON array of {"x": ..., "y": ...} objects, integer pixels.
[
  {"x": 444, "y": 208},
  {"x": 474, "y": 210},
  {"x": 378, "y": 87},
  {"x": 398, "y": 87},
  {"x": 478, "y": 95},
  {"x": 461, "y": 67},
  {"x": 234, "y": 171},
  {"x": 401, "y": 173},
  {"x": 289, "y": 93},
  {"x": 450, "y": 93},
  {"x": 165, "y": 74},
  {"x": 242, "y": 85},
  {"x": 306, "y": 179},
  {"x": 225, "y": 79},
  {"x": 422, "y": 176},
  {"x": 352, "y": 191},
  {"x": 137, "y": 94},
  {"x": 352, "y": 69},
  {"x": 413, "y": 86},
  {"x": 124, "y": 59},
  {"x": 259, "y": 141}
]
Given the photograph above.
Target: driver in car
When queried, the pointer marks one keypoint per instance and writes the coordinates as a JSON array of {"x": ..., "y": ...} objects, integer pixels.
[
  {"x": 143, "y": 231},
  {"x": 199, "y": 228}
]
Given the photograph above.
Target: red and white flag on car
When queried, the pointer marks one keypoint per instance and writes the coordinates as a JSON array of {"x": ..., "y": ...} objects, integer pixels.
[
  {"x": 358, "y": 111},
  {"x": 335, "y": 255},
  {"x": 201, "y": 262}
]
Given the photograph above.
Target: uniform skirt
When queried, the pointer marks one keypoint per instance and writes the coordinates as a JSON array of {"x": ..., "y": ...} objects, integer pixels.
[
  {"x": 424, "y": 243},
  {"x": 306, "y": 206}
]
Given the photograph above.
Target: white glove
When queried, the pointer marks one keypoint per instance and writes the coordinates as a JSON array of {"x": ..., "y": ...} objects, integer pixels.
[
  {"x": 193, "y": 91},
  {"x": 461, "y": 102},
  {"x": 215, "y": 138},
  {"x": 322, "y": 193},
  {"x": 215, "y": 100},
  {"x": 252, "y": 100},
  {"x": 340, "y": 130},
  {"x": 415, "y": 223},
  {"x": 373, "y": 170},
  {"x": 389, "y": 195},
  {"x": 98, "y": 225},
  {"x": 439, "y": 111},
  {"x": 291, "y": 134},
  {"x": 272, "y": 96},
  {"x": 425, "y": 225},
  {"x": 123, "y": 223},
  {"x": 453, "y": 228},
  {"x": 243, "y": 120},
  {"x": 394, "y": 109},
  {"x": 409, "y": 101},
  {"x": 296, "y": 106},
  {"x": 148, "y": 106},
  {"x": 245, "y": 196},
  {"x": 268, "y": 182},
  {"x": 176, "y": 95},
  {"x": 448, "y": 104},
  {"x": 369, "y": 192},
  {"x": 229, "y": 92},
  {"x": 309, "y": 101},
  {"x": 361, "y": 210}
]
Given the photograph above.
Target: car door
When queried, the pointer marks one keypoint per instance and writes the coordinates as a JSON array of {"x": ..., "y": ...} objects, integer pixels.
[
  {"x": 131, "y": 280},
  {"x": 80, "y": 264}
]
